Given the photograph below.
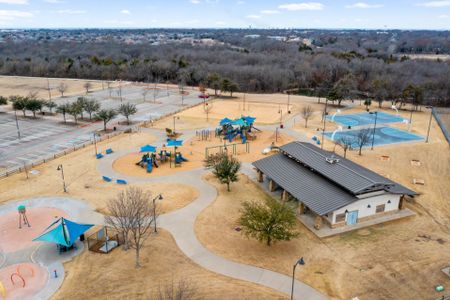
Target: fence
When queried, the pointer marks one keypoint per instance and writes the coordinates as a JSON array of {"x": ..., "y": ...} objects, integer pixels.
[{"x": 444, "y": 127}]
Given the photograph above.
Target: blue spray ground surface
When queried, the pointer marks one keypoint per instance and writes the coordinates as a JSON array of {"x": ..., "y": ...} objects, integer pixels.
[
  {"x": 365, "y": 118},
  {"x": 383, "y": 136}
]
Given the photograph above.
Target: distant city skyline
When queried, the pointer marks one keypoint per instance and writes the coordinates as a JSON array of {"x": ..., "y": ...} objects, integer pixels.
[{"x": 345, "y": 14}]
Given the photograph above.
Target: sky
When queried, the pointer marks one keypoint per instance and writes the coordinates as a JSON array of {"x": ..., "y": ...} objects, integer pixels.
[{"x": 371, "y": 14}]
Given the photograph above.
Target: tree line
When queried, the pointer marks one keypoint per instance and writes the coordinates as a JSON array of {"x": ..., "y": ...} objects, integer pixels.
[
  {"x": 353, "y": 65},
  {"x": 76, "y": 109}
]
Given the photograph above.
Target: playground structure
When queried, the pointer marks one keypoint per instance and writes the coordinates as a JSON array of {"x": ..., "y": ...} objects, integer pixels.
[
  {"x": 23, "y": 216},
  {"x": 242, "y": 127},
  {"x": 225, "y": 147},
  {"x": 150, "y": 159},
  {"x": 204, "y": 135},
  {"x": 63, "y": 233}
]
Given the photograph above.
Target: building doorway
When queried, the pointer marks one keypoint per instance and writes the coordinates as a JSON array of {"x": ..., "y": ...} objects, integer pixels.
[{"x": 352, "y": 217}]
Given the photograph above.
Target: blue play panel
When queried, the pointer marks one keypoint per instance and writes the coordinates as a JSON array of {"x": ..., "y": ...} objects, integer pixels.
[
  {"x": 365, "y": 118},
  {"x": 383, "y": 136}
]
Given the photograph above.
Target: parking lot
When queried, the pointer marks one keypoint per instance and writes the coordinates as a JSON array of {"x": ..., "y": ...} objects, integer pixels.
[{"x": 47, "y": 136}]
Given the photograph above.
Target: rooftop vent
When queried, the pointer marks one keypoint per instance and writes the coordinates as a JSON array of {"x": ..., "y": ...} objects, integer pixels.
[{"x": 332, "y": 160}]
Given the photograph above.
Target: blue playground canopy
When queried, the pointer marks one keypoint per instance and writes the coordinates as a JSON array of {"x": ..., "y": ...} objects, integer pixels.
[
  {"x": 239, "y": 122},
  {"x": 174, "y": 143},
  {"x": 249, "y": 120},
  {"x": 64, "y": 232},
  {"x": 224, "y": 121},
  {"x": 148, "y": 148}
]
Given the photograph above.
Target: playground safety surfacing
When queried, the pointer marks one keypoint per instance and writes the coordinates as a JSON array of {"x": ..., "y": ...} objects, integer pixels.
[
  {"x": 22, "y": 281},
  {"x": 383, "y": 136},
  {"x": 13, "y": 238}
]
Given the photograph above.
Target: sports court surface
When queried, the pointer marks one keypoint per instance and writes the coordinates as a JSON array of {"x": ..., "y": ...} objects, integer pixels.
[
  {"x": 365, "y": 118},
  {"x": 383, "y": 136}
]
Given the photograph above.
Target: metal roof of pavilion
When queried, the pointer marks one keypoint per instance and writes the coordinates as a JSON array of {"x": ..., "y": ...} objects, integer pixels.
[
  {"x": 315, "y": 191},
  {"x": 303, "y": 171},
  {"x": 354, "y": 178}
]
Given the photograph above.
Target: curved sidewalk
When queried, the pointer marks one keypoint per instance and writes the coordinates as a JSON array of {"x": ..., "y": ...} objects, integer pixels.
[{"x": 181, "y": 224}]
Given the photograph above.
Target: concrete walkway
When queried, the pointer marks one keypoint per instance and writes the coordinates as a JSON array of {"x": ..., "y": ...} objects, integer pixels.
[{"x": 181, "y": 224}]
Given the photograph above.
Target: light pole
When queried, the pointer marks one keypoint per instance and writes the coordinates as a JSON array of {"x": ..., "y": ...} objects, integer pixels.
[
  {"x": 60, "y": 168},
  {"x": 374, "y": 127},
  {"x": 281, "y": 118},
  {"x": 159, "y": 197},
  {"x": 429, "y": 122},
  {"x": 175, "y": 118},
  {"x": 95, "y": 143},
  {"x": 17, "y": 124},
  {"x": 324, "y": 123},
  {"x": 301, "y": 262},
  {"x": 410, "y": 120},
  {"x": 289, "y": 103}
]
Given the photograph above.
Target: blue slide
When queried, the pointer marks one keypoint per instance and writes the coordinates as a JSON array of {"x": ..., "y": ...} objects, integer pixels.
[{"x": 149, "y": 165}]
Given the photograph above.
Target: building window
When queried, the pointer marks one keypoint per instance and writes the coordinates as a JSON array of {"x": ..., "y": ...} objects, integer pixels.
[
  {"x": 380, "y": 208},
  {"x": 340, "y": 218}
]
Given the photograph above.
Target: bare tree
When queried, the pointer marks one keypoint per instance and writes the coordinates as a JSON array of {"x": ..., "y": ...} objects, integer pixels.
[
  {"x": 109, "y": 88},
  {"x": 119, "y": 92},
  {"x": 362, "y": 138},
  {"x": 180, "y": 290},
  {"x": 132, "y": 214},
  {"x": 307, "y": 112},
  {"x": 156, "y": 90},
  {"x": 87, "y": 86},
  {"x": 32, "y": 95},
  {"x": 62, "y": 88},
  {"x": 346, "y": 143},
  {"x": 144, "y": 93}
]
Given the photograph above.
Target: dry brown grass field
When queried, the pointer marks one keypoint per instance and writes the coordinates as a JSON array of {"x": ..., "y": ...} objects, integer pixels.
[
  {"x": 397, "y": 260},
  {"x": 113, "y": 276},
  {"x": 22, "y": 86}
]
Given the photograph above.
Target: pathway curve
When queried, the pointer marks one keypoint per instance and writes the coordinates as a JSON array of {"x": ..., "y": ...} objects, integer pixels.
[{"x": 181, "y": 224}]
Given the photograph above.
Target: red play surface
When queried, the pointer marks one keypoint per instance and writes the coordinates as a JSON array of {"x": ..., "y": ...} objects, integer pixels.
[
  {"x": 13, "y": 239},
  {"x": 35, "y": 279}
]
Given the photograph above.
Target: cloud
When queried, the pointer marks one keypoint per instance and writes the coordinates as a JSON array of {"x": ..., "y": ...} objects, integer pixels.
[
  {"x": 444, "y": 16},
  {"x": 221, "y": 23},
  {"x": 125, "y": 12},
  {"x": 195, "y": 1},
  {"x": 12, "y": 14},
  {"x": 240, "y": 2},
  {"x": 54, "y": 1},
  {"x": 433, "y": 4},
  {"x": 270, "y": 12},
  {"x": 71, "y": 11},
  {"x": 14, "y": 1},
  {"x": 253, "y": 17},
  {"x": 302, "y": 6},
  {"x": 364, "y": 5}
]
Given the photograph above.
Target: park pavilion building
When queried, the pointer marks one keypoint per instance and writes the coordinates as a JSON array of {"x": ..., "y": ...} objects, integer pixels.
[{"x": 331, "y": 189}]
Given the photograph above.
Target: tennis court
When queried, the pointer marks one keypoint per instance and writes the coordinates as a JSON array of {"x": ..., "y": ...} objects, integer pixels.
[
  {"x": 383, "y": 136},
  {"x": 365, "y": 118}
]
